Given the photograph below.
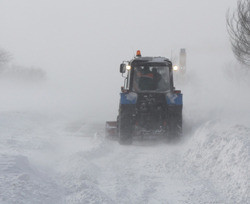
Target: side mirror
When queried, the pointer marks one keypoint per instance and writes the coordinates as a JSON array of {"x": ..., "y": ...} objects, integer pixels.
[{"x": 122, "y": 68}]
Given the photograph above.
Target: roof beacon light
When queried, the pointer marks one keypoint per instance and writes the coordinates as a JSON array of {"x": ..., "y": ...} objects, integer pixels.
[{"x": 138, "y": 53}]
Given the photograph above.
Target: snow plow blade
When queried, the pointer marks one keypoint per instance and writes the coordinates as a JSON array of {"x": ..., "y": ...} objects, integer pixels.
[{"x": 111, "y": 129}]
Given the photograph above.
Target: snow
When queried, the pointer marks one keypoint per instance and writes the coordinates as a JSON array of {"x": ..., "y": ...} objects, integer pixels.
[
  {"x": 50, "y": 157},
  {"x": 219, "y": 152}
]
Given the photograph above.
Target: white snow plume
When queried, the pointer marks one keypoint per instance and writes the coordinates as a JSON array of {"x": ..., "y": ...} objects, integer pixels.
[
  {"x": 217, "y": 118},
  {"x": 215, "y": 91}
]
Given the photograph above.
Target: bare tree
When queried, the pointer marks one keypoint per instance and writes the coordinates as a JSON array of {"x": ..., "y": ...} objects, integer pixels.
[
  {"x": 4, "y": 57},
  {"x": 238, "y": 25}
]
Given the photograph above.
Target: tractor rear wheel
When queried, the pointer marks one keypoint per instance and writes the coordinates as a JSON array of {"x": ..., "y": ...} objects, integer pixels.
[
  {"x": 175, "y": 124},
  {"x": 125, "y": 127}
]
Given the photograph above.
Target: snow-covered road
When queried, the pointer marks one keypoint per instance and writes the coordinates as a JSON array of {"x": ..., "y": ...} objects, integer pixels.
[
  {"x": 150, "y": 173},
  {"x": 49, "y": 159}
]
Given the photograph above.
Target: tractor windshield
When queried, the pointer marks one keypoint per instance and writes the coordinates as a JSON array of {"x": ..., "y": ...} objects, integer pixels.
[{"x": 151, "y": 78}]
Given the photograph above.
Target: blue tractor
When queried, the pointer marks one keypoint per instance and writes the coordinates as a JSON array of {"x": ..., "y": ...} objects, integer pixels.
[{"x": 149, "y": 104}]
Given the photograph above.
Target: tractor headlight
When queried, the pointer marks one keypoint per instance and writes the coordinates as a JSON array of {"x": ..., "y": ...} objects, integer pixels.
[
  {"x": 128, "y": 67},
  {"x": 175, "y": 68}
]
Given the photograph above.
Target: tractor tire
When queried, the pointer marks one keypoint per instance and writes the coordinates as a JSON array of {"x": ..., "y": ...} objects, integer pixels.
[
  {"x": 175, "y": 124},
  {"x": 125, "y": 127}
]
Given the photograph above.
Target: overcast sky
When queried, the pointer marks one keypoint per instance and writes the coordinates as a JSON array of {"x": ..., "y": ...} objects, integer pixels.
[{"x": 82, "y": 42}]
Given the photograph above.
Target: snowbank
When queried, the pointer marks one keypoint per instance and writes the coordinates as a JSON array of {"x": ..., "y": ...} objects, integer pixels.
[{"x": 219, "y": 152}]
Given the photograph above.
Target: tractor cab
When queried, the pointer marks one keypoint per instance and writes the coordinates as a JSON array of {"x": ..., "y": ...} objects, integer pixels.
[{"x": 147, "y": 74}]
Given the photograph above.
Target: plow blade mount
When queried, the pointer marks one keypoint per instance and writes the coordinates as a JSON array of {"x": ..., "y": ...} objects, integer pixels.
[{"x": 111, "y": 129}]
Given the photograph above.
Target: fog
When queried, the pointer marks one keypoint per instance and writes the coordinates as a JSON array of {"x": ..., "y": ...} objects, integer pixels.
[
  {"x": 80, "y": 45},
  {"x": 63, "y": 83}
]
